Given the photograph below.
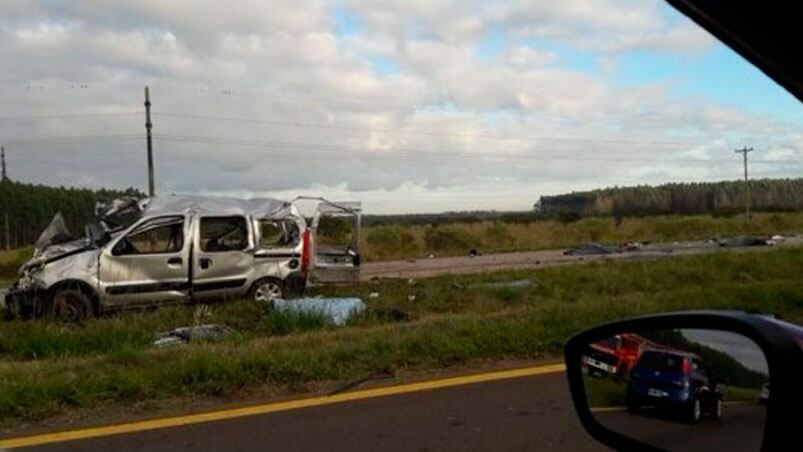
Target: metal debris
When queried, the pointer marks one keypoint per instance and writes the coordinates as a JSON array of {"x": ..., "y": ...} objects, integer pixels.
[
  {"x": 589, "y": 249},
  {"x": 745, "y": 240},
  {"x": 187, "y": 334}
]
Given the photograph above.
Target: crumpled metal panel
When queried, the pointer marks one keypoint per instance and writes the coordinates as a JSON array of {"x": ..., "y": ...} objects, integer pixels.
[
  {"x": 258, "y": 207},
  {"x": 55, "y": 232}
]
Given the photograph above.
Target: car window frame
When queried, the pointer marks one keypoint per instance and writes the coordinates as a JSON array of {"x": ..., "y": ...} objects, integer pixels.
[
  {"x": 135, "y": 227},
  {"x": 248, "y": 234}
]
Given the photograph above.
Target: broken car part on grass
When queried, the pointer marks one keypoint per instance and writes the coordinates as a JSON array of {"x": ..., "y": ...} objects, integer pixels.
[
  {"x": 198, "y": 333},
  {"x": 180, "y": 248}
]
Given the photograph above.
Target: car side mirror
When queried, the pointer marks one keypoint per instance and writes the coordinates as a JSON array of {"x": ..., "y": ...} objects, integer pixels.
[{"x": 632, "y": 386}]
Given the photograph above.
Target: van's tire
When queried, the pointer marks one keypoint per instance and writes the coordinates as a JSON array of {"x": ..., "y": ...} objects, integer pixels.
[
  {"x": 70, "y": 306},
  {"x": 694, "y": 411},
  {"x": 265, "y": 290},
  {"x": 717, "y": 413}
]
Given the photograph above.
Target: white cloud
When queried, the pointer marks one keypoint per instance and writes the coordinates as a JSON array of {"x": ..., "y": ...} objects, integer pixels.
[{"x": 448, "y": 130}]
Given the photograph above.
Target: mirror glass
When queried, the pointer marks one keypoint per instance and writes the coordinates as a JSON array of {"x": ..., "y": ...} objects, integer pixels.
[{"x": 683, "y": 389}]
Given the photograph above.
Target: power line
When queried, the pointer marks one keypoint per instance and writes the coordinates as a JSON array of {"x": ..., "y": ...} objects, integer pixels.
[
  {"x": 425, "y": 132},
  {"x": 110, "y": 137},
  {"x": 411, "y": 153},
  {"x": 66, "y": 115}
]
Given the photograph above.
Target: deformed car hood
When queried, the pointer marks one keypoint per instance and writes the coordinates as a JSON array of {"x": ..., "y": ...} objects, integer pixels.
[{"x": 58, "y": 251}]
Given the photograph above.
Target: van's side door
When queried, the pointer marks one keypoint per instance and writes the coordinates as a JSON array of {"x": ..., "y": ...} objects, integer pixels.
[
  {"x": 149, "y": 262},
  {"x": 223, "y": 256},
  {"x": 336, "y": 243}
]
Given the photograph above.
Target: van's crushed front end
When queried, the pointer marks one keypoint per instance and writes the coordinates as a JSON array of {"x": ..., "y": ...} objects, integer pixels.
[{"x": 60, "y": 258}]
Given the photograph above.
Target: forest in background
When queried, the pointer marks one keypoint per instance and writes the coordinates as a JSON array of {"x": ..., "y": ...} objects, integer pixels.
[
  {"x": 30, "y": 208},
  {"x": 715, "y": 198}
]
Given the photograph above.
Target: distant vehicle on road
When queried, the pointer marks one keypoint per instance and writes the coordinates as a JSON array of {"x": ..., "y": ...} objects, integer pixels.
[
  {"x": 182, "y": 248},
  {"x": 673, "y": 380},
  {"x": 615, "y": 355}
]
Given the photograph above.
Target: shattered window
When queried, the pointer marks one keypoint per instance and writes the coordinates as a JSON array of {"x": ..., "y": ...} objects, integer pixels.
[
  {"x": 224, "y": 234},
  {"x": 278, "y": 233},
  {"x": 336, "y": 231},
  {"x": 161, "y": 235}
]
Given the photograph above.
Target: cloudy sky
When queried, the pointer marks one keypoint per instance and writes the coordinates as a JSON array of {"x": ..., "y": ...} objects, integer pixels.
[{"x": 411, "y": 106}]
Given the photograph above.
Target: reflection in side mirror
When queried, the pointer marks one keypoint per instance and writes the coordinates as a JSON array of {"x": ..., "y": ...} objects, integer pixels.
[{"x": 679, "y": 389}]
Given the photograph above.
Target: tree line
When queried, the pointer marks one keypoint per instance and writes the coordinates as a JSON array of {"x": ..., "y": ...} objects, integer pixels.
[
  {"x": 30, "y": 208},
  {"x": 723, "y": 198}
]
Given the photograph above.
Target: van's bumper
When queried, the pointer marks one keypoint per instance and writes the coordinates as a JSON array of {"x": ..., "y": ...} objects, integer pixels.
[{"x": 22, "y": 303}]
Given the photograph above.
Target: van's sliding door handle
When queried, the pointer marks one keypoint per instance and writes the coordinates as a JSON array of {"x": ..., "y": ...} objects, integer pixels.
[{"x": 175, "y": 261}]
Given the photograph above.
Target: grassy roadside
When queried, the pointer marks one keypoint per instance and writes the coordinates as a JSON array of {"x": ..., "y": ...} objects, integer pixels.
[
  {"x": 403, "y": 242},
  {"x": 47, "y": 368}
]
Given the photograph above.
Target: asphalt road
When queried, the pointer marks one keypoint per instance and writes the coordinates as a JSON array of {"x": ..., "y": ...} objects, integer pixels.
[
  {"x": 529, "y": 413},
  {"x": 740, "y": 429},
  {"x": 424, "y": 268}
]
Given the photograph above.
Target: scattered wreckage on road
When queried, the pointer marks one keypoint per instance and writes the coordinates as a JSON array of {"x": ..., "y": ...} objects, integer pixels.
[{"x": 184, "y": 248}]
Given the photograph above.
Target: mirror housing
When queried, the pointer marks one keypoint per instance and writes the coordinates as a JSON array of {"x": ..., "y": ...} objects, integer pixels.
[{"x": 780, "y": 342}]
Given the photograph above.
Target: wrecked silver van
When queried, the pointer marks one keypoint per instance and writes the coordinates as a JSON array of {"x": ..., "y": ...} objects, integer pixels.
[{"x": 183, "y": 248}]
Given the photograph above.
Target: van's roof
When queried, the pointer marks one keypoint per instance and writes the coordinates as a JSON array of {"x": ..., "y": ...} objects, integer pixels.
[{"x": 218, "y": 205}]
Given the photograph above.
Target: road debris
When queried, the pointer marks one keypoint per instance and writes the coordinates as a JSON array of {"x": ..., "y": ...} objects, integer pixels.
[
  {"x": 336, "y": 310},
  {"x": 515, "y": 284},
  {"x": 381, "y": 375},
  {"x": 187, "y": 334},
  {"x": 411, "y": 298},
  {"x": 473, "y": 253},
  {"x": 589, "y": 249},
  {"x": 744, "y": 240},
  {"x": 373, "y": 295}
]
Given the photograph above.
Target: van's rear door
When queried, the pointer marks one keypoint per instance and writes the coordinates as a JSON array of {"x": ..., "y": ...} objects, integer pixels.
[{"x": 335, "y": 244}]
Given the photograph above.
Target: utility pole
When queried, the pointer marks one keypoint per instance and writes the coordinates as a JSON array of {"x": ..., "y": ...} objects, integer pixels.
[
  {"x": 148, "y": 127},
  {"x": 3, "y": 158},
  {"x": 744, "y": 152},
  {"x": 8, "y": 235},
  {"x": 5, "y": 213}
]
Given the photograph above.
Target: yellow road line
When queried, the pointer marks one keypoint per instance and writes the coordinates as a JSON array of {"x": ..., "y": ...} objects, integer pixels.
[
  {"x": 605, "y": 409},
  {"x": 152, "y": 424}
]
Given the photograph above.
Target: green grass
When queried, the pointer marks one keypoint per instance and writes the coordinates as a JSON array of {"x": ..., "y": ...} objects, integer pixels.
[
  {"x": 403, "y": 242},
  {"x": 10, "y": 262},
  {"x": 734, "y": 394},
  {"x": 47, "y": 368},
  {"x": 605, "y": 392}
]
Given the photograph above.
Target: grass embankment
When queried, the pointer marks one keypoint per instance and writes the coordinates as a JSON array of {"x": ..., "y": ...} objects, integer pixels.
[
  {"x": 415, "y": 241},
  {"x": 403, "y": 242},
  {"x": 10, "y": 262},
  {"x": 46, "y": 368}
]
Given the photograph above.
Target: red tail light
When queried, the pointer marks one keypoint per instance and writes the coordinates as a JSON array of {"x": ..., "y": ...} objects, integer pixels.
[
  {"x": 686, "y": 366},
  {"x": 305, "y": 252}
]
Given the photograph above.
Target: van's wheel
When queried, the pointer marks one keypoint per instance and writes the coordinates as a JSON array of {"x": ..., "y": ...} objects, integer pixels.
[
  {"x": 695, "y": 411},
  {"x": 70, "y": 306},
  {"x": 266, "y": 290},
  {"x": 717, "y": 414}
]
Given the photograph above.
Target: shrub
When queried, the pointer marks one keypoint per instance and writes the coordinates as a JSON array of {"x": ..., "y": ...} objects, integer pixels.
[{"x": 449, "y": 238}]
